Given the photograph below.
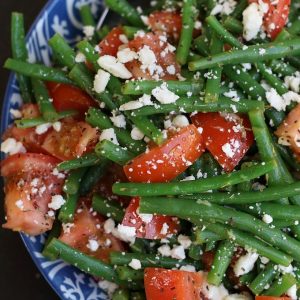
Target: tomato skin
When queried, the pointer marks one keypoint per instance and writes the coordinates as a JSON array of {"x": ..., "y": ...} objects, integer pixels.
[
  {"x": 73, "y": 140},
  {"x": 218, "y": 132},
  {"x": 67, "y": 97},
  {"x": 271, "y": 298},
  {"x": 166, "y": 22},
  {"x": 163, "y": 284},
  {"x": 153, "y": 229},
  {"x": 167, "y": 161},
  {"x": 29, "y": 187},
  {"x": 88, "y": 225},
  {"x": 111, "y": 43},
  {"x": 154, "y": 42}
]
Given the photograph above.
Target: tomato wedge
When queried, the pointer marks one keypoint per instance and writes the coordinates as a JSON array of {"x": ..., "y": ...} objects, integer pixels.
[
  {"x": 67, "y": 97},
  {"x": 271, "y": 298},
  {"x": 29, "y": 187},
  {"x": 88, "y": 226},
  {"x": 227, "y": 136},
  {"x": 163, "y": 284},
  {"x": 149, "y": 226},
  {"x": 111, "y": 43},
  {"x": 164, "y": 163},
  {"x": 73, "y": 140}
]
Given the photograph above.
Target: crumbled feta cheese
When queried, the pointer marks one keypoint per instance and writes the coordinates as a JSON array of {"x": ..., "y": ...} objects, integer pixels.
[
  {"x": 252, "y": 21},
  {"x": 146, "y": 56},
  {"x": 211, "y": 291},
  {"x": 67, "y": 227},
  {"x": 164, "y": 250},
  {"x": 289, "y": 269},
  {"x": 136, "y": 134},
  {"x": 163, "y": 95},
  {"x": 147, "y": 218},
  {"x": 188, "y": 268},
  {"x": 11, "y": 146},
  {"x": 145, "y": 20},
  {"x": 292, "y": 292},
  {"x": 20, "y": 204},
  {"x": 123, "y": 38},
  {"x": 126, "y": 55},
  {"x": 109, "y": 226},
  {"x": 113, "y": 66},
  {"x": 281, "y": 102},
  {"x": 57, "y": 201},
  {"x": 184, "y": 241},
  {"x": 224, "y": 7},
  {"x": 164, "y": 229},
  {"x": 145, "y": 100},
  {"x": 264, "y": 260},
  {"x": 101, "y": 80},
  {"x": 88, "y": 31},
  {"x": 226, "y": 148},
  {"x": 178, "y": 252},
  {"x": 15, "y": 113},
  {"x": 293, "y": 82},
  {"x": 110, "y": 135},
  {"x": 197, "y": 25},
  {"x": 171, "y": 69},
  {"x": 188, "y": 178},
  {"x": 108, "y": 287},
  {"x": 43, "y": 128},
  {"x": 126, "y": 233},
  {"x": 233, "y": 95},
  {"x": 93, "y": 245},
  {"x": 180, "y": 121},
  {"x": 57, "y": 126},
  {"x": 118, "y": 120},
  {"x": 135, "y": 264},
  {"x": 245, "y": 263},
  {"x": 80, "y": 58},
  {"x": 267, "y": 218}
]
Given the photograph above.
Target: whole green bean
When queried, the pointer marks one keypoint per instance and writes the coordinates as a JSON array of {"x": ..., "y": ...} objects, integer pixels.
[
  {"x": 37, "y": 71},
  {"x": 191, "y": 187},
  {"x": 280, "y": 286},
  {"x": 72, "y": 184},
  {"x": 19, "y": 51}
]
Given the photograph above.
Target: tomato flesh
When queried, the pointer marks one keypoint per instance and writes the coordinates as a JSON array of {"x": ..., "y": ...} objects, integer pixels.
[
  {"x": 163, "y": 284},
  {"x": 227, "y": 136},
  {"x": 151, "y": 229},
  {"x": 111, "y": 43},
  {"x": 166, "y": 162}
]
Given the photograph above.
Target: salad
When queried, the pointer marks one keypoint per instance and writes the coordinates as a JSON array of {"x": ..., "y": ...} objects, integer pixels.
[{"x": 162, "y": 156}]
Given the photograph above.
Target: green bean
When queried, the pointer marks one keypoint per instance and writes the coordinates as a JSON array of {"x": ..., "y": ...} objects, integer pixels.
[
  {"x": 82, "y": 261},
  {"x": 130, "y": 31},
  {"x": 295, "y": 28},
  {"x": 126, "y": 11},
  {"x": 86, "y": 160},
  {"x": 233, "y": 25},
  {"x": 92, "y": 176},
  {"x": 283, "y": 223},
  {"x": 264, "y": 278},
  {"x": 19, "y": 51},
  {"x": 181, "y": 88},
  {"x": 54, "y": 233},
  {"x": 204, "y": 235},
  {"x": 113, "y": 152},
  {"x": 221, "y": 262},
  {"x": 73, "y": 181},
  {"x": 189, "y": 15},
  {"x": 89, "y": 52},
  {"x": 191, "y": 187},
  {"x": 269, "y": 194},
  {"x": 242, "y": 221},
  {"x": 282, "y": 68},
  {"x": 86, "y": 16},
  {"x": 63, "y": 52},
  {"x": 140, "y": 246},
  {"x": 120, "y": 294},
  {"x": 67, "y": 211},
  {"x": 97, "y": 118},
  {"x": 193, "y": 104},
  {"x": 149, "y": 260},
  {"x": 108, "y": 208},
  {"x": 213, "y": 82},
  {"x": 253, "y": 54},
  {"x": 210, "y": 246},
  {"x": 240, "y": 7},
  {"x": 279, "y": 287},
  {"x": 140, "y": 295},
  {"x": 28, "y": 123},
  {"x": 127, "y": 273},
  {"x": 287, "y": 156},
  {"x": 201, "y": 45},
  {"x": 195, "y": 252},
  {"x": 37, "y": 71},
  {"x": 43, "y": 100},
  {"x": 103, "y": 31}
]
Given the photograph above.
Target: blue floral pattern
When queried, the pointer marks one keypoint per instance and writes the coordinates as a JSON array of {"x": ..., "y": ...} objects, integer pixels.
[{"x": 61, "y": 16}]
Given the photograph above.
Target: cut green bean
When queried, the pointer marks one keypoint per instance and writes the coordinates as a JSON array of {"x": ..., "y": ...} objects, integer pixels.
[
  {"x": 73, "y": 181},
  {"x": 86, "y": 160},
  {"x": 191, "y": 187},
  {"x": 221, "y": 262},
  {"x": 281, "y": 285},
  {"x": 67, "y": 211},
  {"x": 108, "y": 208},
  {"x": 240, "y": 7},
  {"x": 121, "y": 294},
  {"x": 19, "y": 51},
  {"x": 89, "y": 52},
  {"x": 126, "y": 11},
  {"x": 43, "y": 100},
  {"x": 113, "y": 152},
  {"x": 127, "y": 273},
  {"x": 233, "y": 25},
  {"x": 195, "y": 251},
  {"x": 37, "y": 71},
  {"x": 86, "y": 16},
  {"x": 203, "y": 235},
  {"x": 294, "y": 29},
  {"x": 201, "y": 45}
]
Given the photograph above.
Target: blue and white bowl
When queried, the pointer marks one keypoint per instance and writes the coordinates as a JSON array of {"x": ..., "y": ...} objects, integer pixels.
[{"x": 58, "y": 16}]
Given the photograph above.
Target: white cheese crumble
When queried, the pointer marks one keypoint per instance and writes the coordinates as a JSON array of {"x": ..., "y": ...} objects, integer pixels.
[
  {"x": 224, "y": 7},
  {"x": 226, "y": 148},
  {"x": 135, "y": 264},
  {"x": 109, "y": 226},
  {"x": 145, "y": 100},
  {"x": 43, "y": 128},
  {"x": 93, "y": 245},
  {"x": 267, "y": 218},
  {"x": 113, "y": 66},
  {"x": 245, "y": 263},
  {"x": 80, "y": 58},
  {"x": 108, "y": 287},
  {"x": 15, "y": 113},
  {"x": 101, "y": 80},
  {"x": 88, "y": 31},
  {"x": 163, "y": 95},
  {"x": 164, "y": 229},
  {"x": 180, "y": 121},
  {"x": 147, "y": 218},
  {"x": 67, "y": 227},
  {"x": 118, "y": 120},
  {"x": 123, "y": 38},
  {"x": 20, "y": 204},
  {"x": 57, "y": 126},
  {"x": 57, "y": 201},
  {"x": 292, "y": 292},
  {"x": 126, "y": 55},
  {"x": 11, "y": 146},
  {"x": 110, "y": 135},
  {"x": 126, "y": 233},
  {"x": 146, "y": 56},
  {"x": 188, "y": 268},
  {"x": 281, "y": 102},
  {"x": 164, "y": 250},
  {"x": 184, "y": 241},
  {"x": 211, "y": 291},
  {"x": 177, "y": 252},
  {"x": 136, "y": 134},
  {"x": 293, "y": 82}
]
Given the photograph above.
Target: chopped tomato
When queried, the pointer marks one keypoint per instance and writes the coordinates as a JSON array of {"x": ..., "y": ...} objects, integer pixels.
[
  {"x": 29, "y": 187},
  {"x": 68, "y": 97},
  {"x": 227, "y": 136},
  {"x": 73, "y": 140},
  {"x": 165, "y": 66},
  {"x": 288, "y": 132},
  {"x": 30, "y": 111},
  {"x": 271, "y": 298},
  {"x": 163, "y": 284},
  {"x": 164, "y": 163},
  {"x": 166, "y": 22},
  {"x": 111, "y": 43},
  {"x": 88, "y": 226},
  {"x": 149, "y": 226}
]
